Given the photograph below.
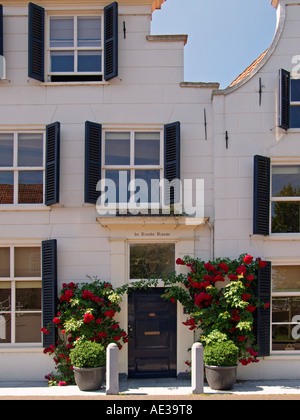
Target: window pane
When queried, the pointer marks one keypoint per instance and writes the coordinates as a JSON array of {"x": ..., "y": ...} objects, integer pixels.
[
  {"x": 117, "y": 148},
  {"x": 89, "y": 31},
  {"x": 122, "y": 193},
  {"x": 89, "y": 61},
  {"x": 62, "y": 61},
  {"x": 285, "y": 181},
  {"x": 148, "y": 260},
  {"x": 61, "y": 32},
  {"x": 285, "y": 308},
  {"x": 6, "y": 187},
  {"x": 285, "y": 337},
  {"x": 143, "y": 189},
  {"x": 295, "y": 89},
  {"x": 28, "y": 328},
  {"x": 4, "y": 263},
  {"x": 30, "y": 187},
  {"x": 28, "y": 296},
  {"x": 27, "y": 262},
  {"x": 5, "y": 328},
  {"x": 295, "y": 116},
  {"x": 285, "y": 217},
  {"x": 5, "y": 296},
  {"x": 147, "y": 149},
  {"x": 6, "y": 149},
  {"x": 30, "y": 150},
  {"x": 286, "y": 278}
]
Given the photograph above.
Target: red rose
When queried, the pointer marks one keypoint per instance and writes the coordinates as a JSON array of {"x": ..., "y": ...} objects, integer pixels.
[
  {"x": 109, "y": 313},
  {"x": 262, "y": 264},
  {"x": 223, "y": 267},
  {"x": 241, "y": 338},
  {"x": 248, "y": 259},
  {"x": 250, "y": 308},
  {"x": 116, "y": 338},
  {"x": 245, "y": 296},
  {"x": 241, "y": 270},
  {"x": 250, "y": 277},
  {"x": 179, "y": 261},
  {"x": 88, "y": 318},
  {"x": 98, "y": 320},
  {"x": 56, "y": 320},
  {"x": 115, "y": 326}
]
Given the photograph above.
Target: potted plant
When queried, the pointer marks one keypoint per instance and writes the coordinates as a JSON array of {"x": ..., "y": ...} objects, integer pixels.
[
  {"x": 220, "y": 359},
  {"x": 88, "y": 359}
]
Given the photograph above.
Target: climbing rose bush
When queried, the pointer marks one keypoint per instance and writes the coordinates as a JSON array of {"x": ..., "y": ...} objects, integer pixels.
[
  {"x": 219, "y": 298},
  {"x": 86, "y": 311}
]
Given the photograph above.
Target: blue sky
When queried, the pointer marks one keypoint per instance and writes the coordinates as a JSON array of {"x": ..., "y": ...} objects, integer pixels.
[{"x": 224, "y": 36}]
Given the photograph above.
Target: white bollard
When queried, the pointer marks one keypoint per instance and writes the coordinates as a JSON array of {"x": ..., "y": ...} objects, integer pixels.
[
  {"x": 197, "y": 368},
  {"x": 112, "y": 369}
]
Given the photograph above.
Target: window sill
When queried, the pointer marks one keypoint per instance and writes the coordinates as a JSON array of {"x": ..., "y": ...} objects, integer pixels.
[
  {"x": 283, "y": 237},
  {"x": 87, "y": 83},
  {"x": 24, "y": 207},
  {"x": 37, "y": 348}
]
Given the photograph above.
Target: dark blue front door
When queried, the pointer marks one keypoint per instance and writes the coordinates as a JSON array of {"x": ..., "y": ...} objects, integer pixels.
[{"x": 152, "y": 328}]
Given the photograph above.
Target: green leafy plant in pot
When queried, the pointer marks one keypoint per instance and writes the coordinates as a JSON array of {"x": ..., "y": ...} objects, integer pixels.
[
  {"x": 88, "y": 359},
  {"x": 221, "y": 359}
]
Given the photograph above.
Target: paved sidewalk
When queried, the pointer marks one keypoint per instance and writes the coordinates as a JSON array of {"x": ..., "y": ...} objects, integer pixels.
[{"x": 153, "y": 389}]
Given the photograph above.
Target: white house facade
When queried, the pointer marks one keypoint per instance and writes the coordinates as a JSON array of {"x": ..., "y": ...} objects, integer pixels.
[{"x": 88, "y": 94}]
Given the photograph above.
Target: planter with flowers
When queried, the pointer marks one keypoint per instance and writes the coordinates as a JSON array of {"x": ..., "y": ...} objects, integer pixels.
[
  {"x": 88, "y": 360},
  {"x": 221, "y": 359},
  {"x": 219, "y": 298},
  {"x": 86, "y": 312}
]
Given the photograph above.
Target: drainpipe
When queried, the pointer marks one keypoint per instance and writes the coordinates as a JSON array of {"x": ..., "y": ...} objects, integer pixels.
[{"x": 212, "y": 239}]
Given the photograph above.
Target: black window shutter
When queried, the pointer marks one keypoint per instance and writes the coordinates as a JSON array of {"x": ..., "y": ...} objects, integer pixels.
[
  {"x": 36, "y": 41},
  {"x": 262, "y": 315},
  {"x": 284, "y": 99},
  {"x": 261, "y": 195},
  {"x": 49, "y": 282},
  {"x": 111, "y": 41},
  {"x": 1, "y": 30},
  {"x": 172, "y": 160},
  {"x": 93, "y": 136},
  {"x": 52, "y": 163}
]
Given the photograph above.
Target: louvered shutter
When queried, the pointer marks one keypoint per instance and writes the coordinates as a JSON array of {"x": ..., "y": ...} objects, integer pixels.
[
  {"x": 49, "y": 293},
  {"x": 262, "y": 315},
  {"x": 172, "y": 160},
  {"x": 52, "y": 163},
  {"x": 111, "y": 41},
  {"x": 36, "y": 41},
  {"x": 93, "y": 135},
  {"x": 284, "y": 99},
  {"x": 261, "y": 195},
  {"x": 1, "y": 29}
]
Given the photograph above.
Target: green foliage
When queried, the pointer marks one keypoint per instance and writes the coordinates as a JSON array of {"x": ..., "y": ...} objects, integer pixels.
[
  {"x": 88, "y": 354},
  {"x": 221, "y": 353}
]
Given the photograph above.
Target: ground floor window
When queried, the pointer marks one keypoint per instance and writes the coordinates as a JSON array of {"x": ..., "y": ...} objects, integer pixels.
[
  {"x": 151, "y": 259},
  {"x": 20, "y": 294},
  {"x": 285, "y": 307}
]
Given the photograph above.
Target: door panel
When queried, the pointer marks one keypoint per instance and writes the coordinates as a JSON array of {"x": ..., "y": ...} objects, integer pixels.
[{"x": 152, "y": 328}]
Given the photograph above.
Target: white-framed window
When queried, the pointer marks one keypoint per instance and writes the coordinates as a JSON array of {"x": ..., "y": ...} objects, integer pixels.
[
  {"x": 75, "y": 47},
  {"x": 285, "y": 308},
  {"x": 133, "y": 158},
  {"x": 20, "y": 295},
  {"x": 151, "y": 259},
  {"x": 285, "y": 198},
  {"x": 22, "y": 168}
]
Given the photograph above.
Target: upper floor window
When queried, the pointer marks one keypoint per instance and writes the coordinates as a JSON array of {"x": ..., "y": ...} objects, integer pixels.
[
  {"x": 137, "y": 157},
  {"x": 21, "y": 168},
  {"x": 75, "y": 48},
  {"x": 285, "y": 198}
]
